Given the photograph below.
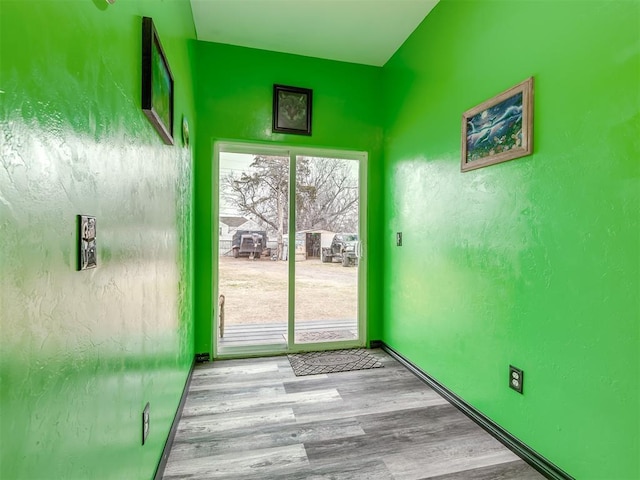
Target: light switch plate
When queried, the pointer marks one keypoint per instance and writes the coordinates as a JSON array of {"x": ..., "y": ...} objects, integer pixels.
[
  {"x": 87, "y": 249},
  {"x": 145, "y": 423}
]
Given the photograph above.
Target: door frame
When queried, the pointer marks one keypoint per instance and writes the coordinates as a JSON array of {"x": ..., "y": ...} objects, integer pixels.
[{"x": 292, "y": 152}]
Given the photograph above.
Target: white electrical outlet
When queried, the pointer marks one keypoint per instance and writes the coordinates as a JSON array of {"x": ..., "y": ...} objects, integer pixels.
[{"x": 516, "y": 378}]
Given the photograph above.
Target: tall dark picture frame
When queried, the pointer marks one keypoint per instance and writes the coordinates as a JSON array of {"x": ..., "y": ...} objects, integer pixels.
[
  {"x": 292, "y": 109},
  {"x": 157, "y": 83}
]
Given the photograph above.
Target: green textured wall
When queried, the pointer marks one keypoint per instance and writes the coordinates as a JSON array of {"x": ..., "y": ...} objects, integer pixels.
[
  {"x": 82, "y": 352},
  {"x": 533, "y": 262},
  {"x": 234, "y": 88}
]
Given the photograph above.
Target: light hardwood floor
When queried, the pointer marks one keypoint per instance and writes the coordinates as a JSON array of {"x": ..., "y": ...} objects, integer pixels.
[{"x": 254, "y": 419}]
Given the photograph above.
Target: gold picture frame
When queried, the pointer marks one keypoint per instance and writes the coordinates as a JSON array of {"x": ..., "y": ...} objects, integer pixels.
[{"x": 499, "y": 129}]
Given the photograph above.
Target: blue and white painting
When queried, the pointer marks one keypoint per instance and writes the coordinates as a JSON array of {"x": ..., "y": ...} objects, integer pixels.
[{"x": 495, "y": 130}]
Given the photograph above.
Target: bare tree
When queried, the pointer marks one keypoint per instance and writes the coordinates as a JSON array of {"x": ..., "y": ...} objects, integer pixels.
[
  {"x": 326, "y": 194},
  {"x": 262, "y": 193}
]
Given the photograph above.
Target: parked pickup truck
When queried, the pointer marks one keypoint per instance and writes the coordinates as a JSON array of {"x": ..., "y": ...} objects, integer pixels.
[
  {"x": 249, "y": 243},
  {"x": 344, "y": 248}
]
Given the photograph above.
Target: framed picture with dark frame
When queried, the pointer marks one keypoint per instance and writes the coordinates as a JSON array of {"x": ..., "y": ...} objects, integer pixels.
[
  {"x": 157, "y": 83},
  {"x": 498, "y": 129},
  {"x": 292, "y": 109}
]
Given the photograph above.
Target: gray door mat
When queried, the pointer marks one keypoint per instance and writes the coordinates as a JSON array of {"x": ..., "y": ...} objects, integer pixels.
[{"x": 314, "y": 363}]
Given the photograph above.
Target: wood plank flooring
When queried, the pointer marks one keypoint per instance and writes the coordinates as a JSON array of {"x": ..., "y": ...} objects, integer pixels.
[{"x": 254, "y": 419}]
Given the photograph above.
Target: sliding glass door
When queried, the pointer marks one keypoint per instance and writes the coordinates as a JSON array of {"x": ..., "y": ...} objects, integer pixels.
[
  {"x": 328, "y": 250},
  {"x": 289, "y": 249},
  {"x": 253, "y": 273}
]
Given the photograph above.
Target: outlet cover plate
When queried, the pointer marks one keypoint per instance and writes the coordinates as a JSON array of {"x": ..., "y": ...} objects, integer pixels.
[{"x": 516, "y": 378}]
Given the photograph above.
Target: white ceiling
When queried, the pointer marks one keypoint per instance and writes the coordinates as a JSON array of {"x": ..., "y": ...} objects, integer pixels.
[{"x": 357, "y": 31}]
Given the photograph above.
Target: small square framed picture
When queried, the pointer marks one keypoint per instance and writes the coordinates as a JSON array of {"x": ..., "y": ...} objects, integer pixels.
[{"x": 292, "y": 109}]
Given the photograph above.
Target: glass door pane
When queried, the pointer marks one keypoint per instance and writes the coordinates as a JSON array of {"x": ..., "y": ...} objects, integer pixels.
[
  {"x": 327, "y": 250},
  {"x": 253, "y": 272}
]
